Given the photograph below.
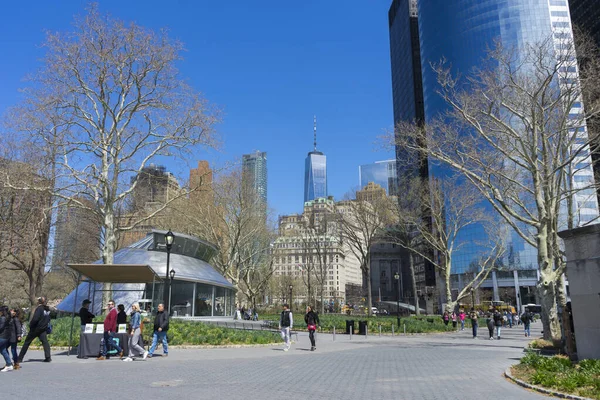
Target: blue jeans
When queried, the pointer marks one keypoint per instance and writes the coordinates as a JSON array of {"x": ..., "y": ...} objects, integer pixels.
[
  {"x": 474, "y": 325},
  {"x": 162, "y": 336},
  {"x": 15, "y": 354},
  {"x": 462, "y": 325},
  {"x": 528, "y": 329},
  {"x": 498, "y": 329},
  {"x": 109, "y": 340},
  {"x": 4, "y": 350}
]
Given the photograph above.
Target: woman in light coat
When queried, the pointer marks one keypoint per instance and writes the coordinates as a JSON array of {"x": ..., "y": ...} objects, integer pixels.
[{"x": 135, "y": 333}]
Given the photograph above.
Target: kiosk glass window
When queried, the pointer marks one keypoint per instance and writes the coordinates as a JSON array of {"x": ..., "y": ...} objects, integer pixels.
[
  {"x": 220, "y": 294},
  {"x": 182, "y": 294},
  {"x": 203, "y": 306}
]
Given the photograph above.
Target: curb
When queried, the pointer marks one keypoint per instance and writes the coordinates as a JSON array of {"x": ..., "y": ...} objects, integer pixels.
[
  {"x": 508, "y": 374},
  {"x": 227, "y": 346}
]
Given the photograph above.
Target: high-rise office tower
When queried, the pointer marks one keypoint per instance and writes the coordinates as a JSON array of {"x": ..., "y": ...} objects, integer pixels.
[
  {"x": 254, "y": 173},
  {"x": 382, "y": 173},
  {"x": 585, "y": 15},
  {"x": 462, "y": 31},
  {"x": 315, "y": 172},
  {"x": 407, "y": 92}
]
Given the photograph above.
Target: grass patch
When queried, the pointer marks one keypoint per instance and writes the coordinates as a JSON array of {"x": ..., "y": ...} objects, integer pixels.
[
  {"x": 543, "y": 344},
  {"x": 558, "y": 372},
  {"x": 181, "y": 332},
  {"x": 414, "y": 324}
]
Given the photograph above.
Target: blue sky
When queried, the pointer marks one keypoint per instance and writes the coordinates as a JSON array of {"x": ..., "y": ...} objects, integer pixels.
[{"x": 269, "y": 65}]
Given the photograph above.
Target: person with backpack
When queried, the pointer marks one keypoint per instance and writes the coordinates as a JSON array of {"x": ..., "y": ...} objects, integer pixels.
[
  {"x": 16, "y": 334},
  {"x": 498, "y": 321},
  {"x": 5, "y": 338},
  {"x": 312, "y": 321},
  {"x": 490, "y": 325},
  {"x": 39, "y": 327},
  {"x": 474, "y": 324},
  {"x": 286, "y": 322},
  {"x": 526, "y": 320}
]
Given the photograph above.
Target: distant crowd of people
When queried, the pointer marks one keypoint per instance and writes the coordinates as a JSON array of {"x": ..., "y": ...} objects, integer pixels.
[{"x": 495, "y": 320}]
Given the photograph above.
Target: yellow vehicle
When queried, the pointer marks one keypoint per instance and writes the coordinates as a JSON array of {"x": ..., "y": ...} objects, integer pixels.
[{"x": 496, "y": 305}]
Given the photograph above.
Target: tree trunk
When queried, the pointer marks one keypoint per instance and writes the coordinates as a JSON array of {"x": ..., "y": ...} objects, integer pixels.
[
  {"x": 547, "y": 295},
  {"x": 414, "y": 283},
  {"x": 369, "y": 294},
  {"x": 569, "y": 338},
  {"x": 108, "y": 252}
]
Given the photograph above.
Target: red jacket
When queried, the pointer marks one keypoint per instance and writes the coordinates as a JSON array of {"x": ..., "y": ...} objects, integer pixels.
[{"x": 110, "y": 322}]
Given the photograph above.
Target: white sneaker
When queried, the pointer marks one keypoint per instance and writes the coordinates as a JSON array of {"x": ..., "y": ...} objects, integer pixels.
[
  {"x": 145, "y": 355},
  {"x": 128, "y": 359},
  {"x": 285, "y": 349},
  {"x": 7, "y": 368}
]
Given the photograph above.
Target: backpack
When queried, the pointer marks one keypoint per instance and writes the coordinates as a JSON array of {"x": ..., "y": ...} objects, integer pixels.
[{"x": 285, "y": 318}]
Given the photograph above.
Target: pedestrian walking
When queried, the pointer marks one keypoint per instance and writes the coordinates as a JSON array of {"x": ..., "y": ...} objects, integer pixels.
[
  {"x": 490, "y": 325},
  {"x": 110, "y": 328},
  {"x": 454, "y": 322},
  {"x": 121, "y": 315},
  {"x": 135, "y": 333},
  {"x": 38, "y": 328},
  {"x": 16, "y": 334},
  {"x": 446, "y": 317},
  {"x": 510, "y": 319},
  {"x": 312, "y": 321},
  {"x": 5, "y": 338},
  {"x": 526, "y": 318},
  {"x": 462, "y": 316},
  {"x": 498, "y": 321},
  {"x": 161, "y": 327},
  {"x": 474, "y": 324},
  {"x": 286, "y": 322}
]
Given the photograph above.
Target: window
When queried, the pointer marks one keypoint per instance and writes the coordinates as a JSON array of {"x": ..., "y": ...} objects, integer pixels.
[{"x": 558, "y": 3}]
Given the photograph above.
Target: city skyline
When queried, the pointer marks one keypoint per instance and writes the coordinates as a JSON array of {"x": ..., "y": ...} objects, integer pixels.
[{"x": 267, "y": 73}]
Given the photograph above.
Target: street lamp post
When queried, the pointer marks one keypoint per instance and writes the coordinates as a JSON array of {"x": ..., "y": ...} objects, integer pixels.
[
  {"x": 169, "y": 238},
  {"x": 397, "y": 278},
  {"x": 291, "y": 298},
  {"x": 171, "y": 277}
]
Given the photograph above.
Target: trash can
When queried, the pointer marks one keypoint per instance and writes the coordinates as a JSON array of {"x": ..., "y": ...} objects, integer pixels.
[
  {"x": 362, "y": 327},
  {"x": 349, "y": 326}
]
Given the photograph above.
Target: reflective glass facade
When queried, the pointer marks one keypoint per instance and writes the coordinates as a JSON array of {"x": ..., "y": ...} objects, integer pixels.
[
  {"x": 315, "y": 176},
  {"x": 254, "y": 169},
  {"x": 462, "y": 31},
  {"x": 382, "y": 173}
]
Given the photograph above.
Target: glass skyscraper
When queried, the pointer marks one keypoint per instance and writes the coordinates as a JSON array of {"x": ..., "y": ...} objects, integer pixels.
[
  {"x": 254, "y": 172},
  {"x": 315, "y": 171},
  {"x": 382, "y": 173},
  {"x": 461, "y": 31},
  {"x": 315, "y": 176}
]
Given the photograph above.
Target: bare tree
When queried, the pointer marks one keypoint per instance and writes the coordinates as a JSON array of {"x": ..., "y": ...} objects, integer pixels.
[
  {"x": 233, "y": 217},
  {"x": 114, "y": 92},
  {"x": 515, "y": 130},
  {"x": 25, "y": 221},
  {"x": 360, "y": 222},
  {"x": 452, "y": 208}
]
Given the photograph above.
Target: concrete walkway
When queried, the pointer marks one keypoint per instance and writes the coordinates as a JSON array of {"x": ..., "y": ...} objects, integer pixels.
[{"x": 441, "y": 366}]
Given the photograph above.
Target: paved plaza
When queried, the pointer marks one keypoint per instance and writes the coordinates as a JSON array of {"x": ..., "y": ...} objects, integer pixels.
[{"x": 429, "y": 367}]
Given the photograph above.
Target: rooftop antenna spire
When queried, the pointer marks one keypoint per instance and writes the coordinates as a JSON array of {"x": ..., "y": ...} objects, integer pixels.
[{"x": 315, "y": 131}]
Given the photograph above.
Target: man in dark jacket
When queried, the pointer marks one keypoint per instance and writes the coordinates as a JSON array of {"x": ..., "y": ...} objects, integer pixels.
[
  {"x": 85, "y": 315},
  {"x": 37, "y": 329},
  {"x": 498, "y": 321},
  {"x": 161, "y": 327}
]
